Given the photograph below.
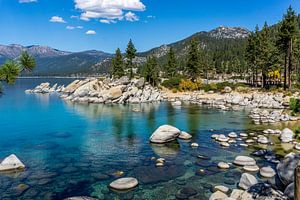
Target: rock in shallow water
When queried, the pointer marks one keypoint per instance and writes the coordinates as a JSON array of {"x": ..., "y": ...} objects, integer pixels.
[
  {"x": 184, "y": 136},
  {"x": 247, "y": 180},
  {"x": 267, "y": 172},
  {"x": 244, "y": 161},
  {"x": 124, "y": 183},
  {"x": 11, "y": 162},
  {"x": 80, "y": 198},
  {"x": 164, "y": 134}
]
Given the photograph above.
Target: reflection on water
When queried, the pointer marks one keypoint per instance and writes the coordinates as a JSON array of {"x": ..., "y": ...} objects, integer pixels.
[{"x": 76, "y": 149}]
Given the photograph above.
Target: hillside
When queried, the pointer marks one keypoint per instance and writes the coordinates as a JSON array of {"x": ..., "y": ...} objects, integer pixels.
[
  {"x": 53, "y": 62},
  {"x": 224, "y": 44}
]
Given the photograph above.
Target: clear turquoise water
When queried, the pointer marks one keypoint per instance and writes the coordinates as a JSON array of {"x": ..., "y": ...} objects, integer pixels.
[{"x": 76, "y": 149}]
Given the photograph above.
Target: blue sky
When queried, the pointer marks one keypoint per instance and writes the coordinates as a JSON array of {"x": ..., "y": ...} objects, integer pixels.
[{"x": 77, "y": 25}]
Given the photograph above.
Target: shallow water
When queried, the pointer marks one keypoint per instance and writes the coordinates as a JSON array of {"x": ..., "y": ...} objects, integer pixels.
[{"x": 73, "y": 149}]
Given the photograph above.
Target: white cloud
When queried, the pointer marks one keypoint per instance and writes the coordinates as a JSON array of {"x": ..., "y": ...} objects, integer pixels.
[
  {"x": 57, "y": 19},
  {"x": 107, "y": 21},
  {"x": 151, "y": 16},
  {"x": 130, "y": 16},
  {"x": 74, "y": 17},
  {"x": 108, "y": 9},
  {"x": 90, "y": 32},
  {"x": 74, "y": 27},
  {"x": 27, "y": 1}
]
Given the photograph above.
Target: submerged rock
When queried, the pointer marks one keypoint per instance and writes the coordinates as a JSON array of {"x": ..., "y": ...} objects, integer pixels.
[
  {"x": 124, "y": 183},
  {"x": 11, "y": 162},
  {"x": 80, "y": 198},
  {"x": 164, "y": 134}
]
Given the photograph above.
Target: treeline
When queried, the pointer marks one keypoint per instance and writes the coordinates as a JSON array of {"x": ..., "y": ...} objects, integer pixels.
[
  {"x": 273, "y": 53},
  {"x": 269, "y": 56}
]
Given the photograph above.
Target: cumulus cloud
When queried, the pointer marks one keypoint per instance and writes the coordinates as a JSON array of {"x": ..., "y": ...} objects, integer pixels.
[
  {"x": 74, "y": 27},
  {"x": 57, "y": 19},
  {"x": 90, "y": 32},
  {"x": 108, "y": 9},
  {"x": 130, "y": 16},
  {"x": 27, "y": 1}
]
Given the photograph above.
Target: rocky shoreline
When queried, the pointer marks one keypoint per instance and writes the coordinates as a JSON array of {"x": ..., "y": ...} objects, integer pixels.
[{"x": 265, "y": 107}]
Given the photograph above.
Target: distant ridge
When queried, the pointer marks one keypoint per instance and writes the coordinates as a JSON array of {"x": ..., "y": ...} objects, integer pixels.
[{"x": 53, "y": 62}]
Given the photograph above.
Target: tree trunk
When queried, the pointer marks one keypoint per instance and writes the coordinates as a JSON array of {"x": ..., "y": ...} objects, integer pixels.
[
  {"x": 290, "y": 52},
  {"x": 285, "y": 72}
]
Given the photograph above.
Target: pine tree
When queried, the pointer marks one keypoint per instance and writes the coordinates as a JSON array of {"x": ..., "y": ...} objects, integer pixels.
[
  {"x": 151, "y": 70},
  {"x": 193, "y": 60},
  {"x": 265, "y": 53},
  {"x": 172, "y": 65},
  {"x": 118, "y": 65},
  {"x": 130, "y": 55},
  {"x": 287, "y": 33}
]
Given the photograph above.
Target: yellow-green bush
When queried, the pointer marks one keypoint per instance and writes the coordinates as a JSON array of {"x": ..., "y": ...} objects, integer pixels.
[{"x": 188, "y": 85}]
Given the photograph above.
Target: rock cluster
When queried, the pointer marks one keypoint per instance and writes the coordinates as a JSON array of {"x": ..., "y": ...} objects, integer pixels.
[
  {"x": 270, "y": 116},
  {"x": 106, "y": 91},
  {"x": 45, "y": 88}
]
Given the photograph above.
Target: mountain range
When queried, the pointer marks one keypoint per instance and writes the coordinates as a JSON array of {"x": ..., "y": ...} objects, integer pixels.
[{"x": 54, "y": 62}]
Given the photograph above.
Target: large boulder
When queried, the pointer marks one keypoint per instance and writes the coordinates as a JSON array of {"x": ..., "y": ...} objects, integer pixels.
[
  {"x": 244, "y": 161},
  {"x": 286, "y": 168},
  {"x": 11, "y": 162},
  {"x": 164, "y": 134},
  {"x": 287, "y": 135},
  {"x": 290, "y": 191},
  {"x": 115, "y": 92},
  {"x": 247, "y": 180},
  {"x": 140, "y": 82},
  {"x": 124, "y": 183}
]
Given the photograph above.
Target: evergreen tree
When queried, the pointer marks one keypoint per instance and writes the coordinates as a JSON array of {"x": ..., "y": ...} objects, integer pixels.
[
  {"x": 287, "y": 33},
  {"x": 193, "y": 60},
  {"x": 118, "y": 65},
  {"x": 265, "y": 53},
  {"x": 172, "y": 65},
  {"x": 130, "y": 55},
  {"x": 151, "y": 70}
]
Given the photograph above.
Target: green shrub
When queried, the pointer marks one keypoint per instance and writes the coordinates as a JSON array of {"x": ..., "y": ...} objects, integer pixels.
[
  {"x": 172, "y": 83},
  {"x": 297, "y": 132},
  {"x": 295, "y": 105}
]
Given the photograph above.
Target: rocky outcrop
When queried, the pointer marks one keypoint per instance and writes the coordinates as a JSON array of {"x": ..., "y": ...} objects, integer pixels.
[
  {"x": 45, "y": 88},
  {"x": 119, "y": 91},
  {"x": 270, "y": 116},
  {"x": 11, "y": 162}
]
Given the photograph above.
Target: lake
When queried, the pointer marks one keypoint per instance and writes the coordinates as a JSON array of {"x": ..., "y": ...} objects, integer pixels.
[{"x": 73, "y": 149}]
